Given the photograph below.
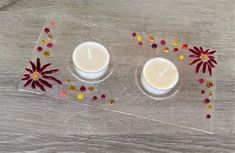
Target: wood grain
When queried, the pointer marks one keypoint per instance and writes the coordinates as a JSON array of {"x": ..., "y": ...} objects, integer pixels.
[{"x": 42, "y": 124}]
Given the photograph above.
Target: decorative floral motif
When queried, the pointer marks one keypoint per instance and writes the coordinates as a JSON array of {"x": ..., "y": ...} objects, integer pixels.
[
  {"x": 203, "y": 58},
  {"x": 38, "y": 76}
]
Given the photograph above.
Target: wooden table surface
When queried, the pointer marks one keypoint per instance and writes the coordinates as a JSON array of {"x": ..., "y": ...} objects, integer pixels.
[{"x": 41, "y": 124}]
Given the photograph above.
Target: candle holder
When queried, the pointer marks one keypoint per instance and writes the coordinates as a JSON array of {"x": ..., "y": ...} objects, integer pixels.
[{"x": 189, "y": 104}]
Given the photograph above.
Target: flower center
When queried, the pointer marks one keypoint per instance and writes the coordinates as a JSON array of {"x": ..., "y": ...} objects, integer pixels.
[
  {"x": 204, "y": 56},
  {"x": 36, "y": 75}
]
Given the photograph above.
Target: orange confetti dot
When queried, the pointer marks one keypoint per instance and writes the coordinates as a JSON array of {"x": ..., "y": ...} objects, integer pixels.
[{"x": 165, "y": 49}]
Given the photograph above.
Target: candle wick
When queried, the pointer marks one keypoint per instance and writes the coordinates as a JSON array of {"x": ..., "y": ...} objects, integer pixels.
[
  {"x": 163, "y": 72},
  {"x": 89, "y": 53}
]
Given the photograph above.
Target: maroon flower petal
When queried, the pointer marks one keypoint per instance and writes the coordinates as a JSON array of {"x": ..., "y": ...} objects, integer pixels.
[
  {"x": 45, "y": 83},
  {"x": 211, "y": 57},
  {"x": 197, "y": 49},
  {"x": 212, "y": 60},
  {"x": 25, "y": 78},
  {"x": 26, "y": 75},
  {"x": 196, "y": 56},
  {"x": 39, "y": 86},
  {"x": 33, "y": 84},
  {"x": 204, "y": 67},
  {"x": 44, "y": 67},
  {"x": 194, "y": 52},
  {"x": 52, "y": 78},
  {"x": 210, "y": 63},
  {"x": 198, "y": 66},
  {"x": 50, "y": 71},
  {"x": 28, "y": 82},
  {"x": 209, "y": 69},
  {"x": 206, "y": 51},
  {"x": 211, "y": 53},
  {"x": 38, "y": 64},
  {"x": 201, "y": 49},
  {"x": 195, "y": 61},
  {"x": 33, "y": 66},
  {"x": 29, "y": 70}
]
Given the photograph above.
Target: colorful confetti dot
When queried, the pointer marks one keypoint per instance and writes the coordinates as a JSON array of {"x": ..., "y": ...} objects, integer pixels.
[
  {"x": 209, "y": 84},
  {"x": 94, "y": 98},
  {"x": 175, "y": 43},
  {"x": 163, "y": 42},
  {"x": 154, "y": 46},
  {"x": 46, "y": 30},
  {"x": 52, "y": 23},
  {"x": 208, "y": 116},
  {"x": 207, "y": 100},
  {"x": 181, "y": 57},
  {"x": 111, "y": 101},
  {"x": 150, "y": 38},
  {"x": 49, "y": 45},
  {"x": 68, "y": 82},
  {"x": 209, "y": 106},
  {"x": 184, "y": 46},
  {"x": 133, "y": 34},
  {"x": 165, "y": 49},
  {"x": 209, "y": 94},
  {"x": 39, "y": 49},
  {"x": 80, "y": 96},
  {"x": 72, "y": 88},
  {"x": 139, "y": 38},
  {"x": 63, "y": 93},
  {"x": 91, "y": 89},
  {"x": 202, "y": 92},
  {"x": 176, "y": 49},
  {"x": 201, "y": 80},
  {"x": 49, "y": 37},
  {"x": 46, "y": 54},
  {"x": 82, "y": 88},
  {"x": 43, "y": 41},
  {"x": 103, "y": 96},
  {"x": 140, "y": 43}
]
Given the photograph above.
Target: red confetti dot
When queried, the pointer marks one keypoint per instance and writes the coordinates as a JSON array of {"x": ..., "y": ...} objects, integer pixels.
[
  {"x": 82, "y": 88},
  {"x": 47, "y": 30},
  {"x": 133, "y": 34},
  {"x": 103, "y": 96},
  {"x": 207, "y": 100},
  {"x": 154, "y": 46},
  {"x": 63, "y": 93},
  {"x": 202, "y": 92},
  {"x": 140, "y": 43},
  {"x": 49, "y": 45},
  {"x": 208, "y": 116},
  {"x": 176, "y": 49},
  {"x": 163, "y": 42},
  {"x": 39, "y": 49},
  {"x": 201, "y": 81},
  {"x": 94, "y": 98},
  {"x": 184, "y": 46}
]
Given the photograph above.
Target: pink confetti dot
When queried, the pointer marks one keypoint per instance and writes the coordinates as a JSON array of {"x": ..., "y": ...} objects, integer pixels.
[
  {"x": 133, "y": 34},
  {"x": 94, "y": 98},
  {"x": 140, "y": 43},
  {"x": 163, "y": 42},
  {"x": 154, "y": 46},
  {"x": 63, "y": 92},
  {"x": 208, "y": 116},
  {"x": 103, "y": 96},
  {"x": 49, "y": 45},
  {"x": 39, "y": 49},
  {"x": 82, "y": 88},
  {"x": 176, "y": 49},
  {"x": 52, "y": 23},
  {"x": 207, "y": 100},
  {"x": 46, "y": 30},
  {"x": 201, "y": 81}
]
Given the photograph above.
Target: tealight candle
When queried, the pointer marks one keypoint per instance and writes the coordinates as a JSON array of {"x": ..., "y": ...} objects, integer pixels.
[
  {"x": 91, "y": 60},
  {"x": 159, "y": 76}
]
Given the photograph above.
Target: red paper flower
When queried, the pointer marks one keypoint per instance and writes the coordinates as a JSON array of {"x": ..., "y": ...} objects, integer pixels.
[
  {"x": 38, "y": 76},
  {"x": 203, "y": 58}
]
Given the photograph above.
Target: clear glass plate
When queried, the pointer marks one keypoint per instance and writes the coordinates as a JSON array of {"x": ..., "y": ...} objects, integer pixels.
[{"x": 189, "y": 105}]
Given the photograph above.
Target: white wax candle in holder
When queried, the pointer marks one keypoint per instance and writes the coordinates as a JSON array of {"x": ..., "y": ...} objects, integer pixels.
[
  {"x": 159, "y": 76},
  {"x": 91, "y": 60}
]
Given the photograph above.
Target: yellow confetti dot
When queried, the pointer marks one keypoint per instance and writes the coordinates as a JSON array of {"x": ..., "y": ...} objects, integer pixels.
[
  {"x": 175, "y": 43},
  {"x": 43, "y": 42},
  {"x": 150, "y": 38},
  {"x": 46, "y": 53},
  {"x": 80, "y": 96},
  {"x": 139, "y": 38},
  {"x": 49, "y": 37},
  {"x": 181, "y": 57},
  {"x": 72, "y": 88},
  {"x": 209, "y": 106},
  {"x": 165, "y": 49}
]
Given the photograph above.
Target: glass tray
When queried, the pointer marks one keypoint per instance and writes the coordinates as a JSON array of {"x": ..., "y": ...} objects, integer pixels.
[{"x": 189, "y": 105}]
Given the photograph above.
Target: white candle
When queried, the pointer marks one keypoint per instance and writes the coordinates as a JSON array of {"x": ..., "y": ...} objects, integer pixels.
[
  {"x": 159, "y": 76},
  {"x": 91, "y": 60}
]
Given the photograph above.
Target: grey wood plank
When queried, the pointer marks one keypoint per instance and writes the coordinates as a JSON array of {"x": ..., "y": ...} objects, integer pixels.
[{"x": 42, "y": 124}]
